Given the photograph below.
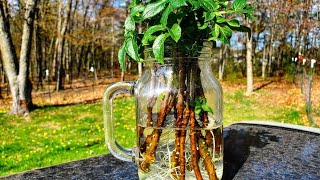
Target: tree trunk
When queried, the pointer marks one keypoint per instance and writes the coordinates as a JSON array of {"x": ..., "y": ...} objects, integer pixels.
[
  {"x": 1, "y": 77},
  {"x": 249, "y": 66},
  {"x": 112, "y": 49},
  {"x": 25, "y": 86},
  {"x": 222, "y": 61},
  {"x": 61, "y": 39},
  {"x": 93, "y": 50},
  {"x": 67, "y": 61},
  {"x": 38, "y": 54},
  {"x": 18, "y": 74},
  {"x": 270, "y": 49},
  {"x": 9, "y": 58},
  {"x": 80, "y": 53},
  {"x": 50, "y": 54},
  {"x": 264, "y": 64}
]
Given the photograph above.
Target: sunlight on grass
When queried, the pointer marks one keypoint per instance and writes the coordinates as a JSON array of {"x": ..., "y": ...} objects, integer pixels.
[
  {"x": 238, "y": 107},
  {"x": 60, "y": 134},
  {"x": 64, "y": 133}
]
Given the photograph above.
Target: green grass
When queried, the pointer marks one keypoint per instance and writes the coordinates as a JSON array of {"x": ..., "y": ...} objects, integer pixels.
[
  {"x": 60, "y": 134},
  {"x": 239, "y": 107}
]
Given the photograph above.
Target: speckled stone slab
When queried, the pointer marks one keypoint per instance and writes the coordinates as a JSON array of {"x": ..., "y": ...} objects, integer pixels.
[
  {"x": 266, "y": 152},
  {"x": 251, "y": 152},
  {"x": 104, "y": 167}
]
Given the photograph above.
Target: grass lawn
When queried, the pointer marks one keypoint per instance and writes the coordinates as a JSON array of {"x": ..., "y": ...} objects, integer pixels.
[
  {"x": 56, "y": 134},
  {"x": 238, "y": 107},
  {"x": 60, "y": 134}
]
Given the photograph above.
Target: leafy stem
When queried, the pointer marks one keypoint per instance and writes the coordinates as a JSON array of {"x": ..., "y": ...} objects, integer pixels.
[{"x": 181, "y": 23}]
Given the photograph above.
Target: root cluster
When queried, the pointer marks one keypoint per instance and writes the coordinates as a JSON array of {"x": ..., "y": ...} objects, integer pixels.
[{"x": 179, "y": 100}]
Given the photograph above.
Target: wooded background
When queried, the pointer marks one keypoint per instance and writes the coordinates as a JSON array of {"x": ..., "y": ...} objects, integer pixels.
[{"x": 69, "y": 37}]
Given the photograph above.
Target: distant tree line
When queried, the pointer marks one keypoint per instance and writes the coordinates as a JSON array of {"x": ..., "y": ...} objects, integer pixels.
[
  {"x": 65, "y": 39},
  {"x": 280, "y": 30}
]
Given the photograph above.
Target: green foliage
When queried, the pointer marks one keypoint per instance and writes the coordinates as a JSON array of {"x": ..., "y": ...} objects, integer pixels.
[
  {"x": 158, "y": 47},
  {"x": 175, "y": 32},
  {"x": 200, "y": 105},
  {"x": 180, "y": 23},
  {"x": 153, "y": 9},
  {"x": 148, "y": 34},
  {"x": 238, "y": 5},
  {"x": 121, "y": 55},
  {"x": 131, "y": 48}
]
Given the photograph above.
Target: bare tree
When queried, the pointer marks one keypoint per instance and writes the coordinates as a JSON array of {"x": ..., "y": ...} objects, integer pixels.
[
  {"x": 17, "y": 73},
  {"x": 222, "y": 60},
  {"x": 249, "y": 65},
  {"x": 62, "y": 28},
  {"x": 1, "y": 78}
]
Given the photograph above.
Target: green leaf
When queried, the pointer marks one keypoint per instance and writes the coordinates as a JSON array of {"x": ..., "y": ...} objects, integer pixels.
[
  {"x": 209, "y": 5},
  {"x": 197, "y": 111},
  {"x": 129, "y": 24},
  {"x": 175, "y": 32},
  {"x": 153, "y": 9},
  {"x": 178, "y": 3},
  {"x": 137, "y": 9},
  {"x": 192, "y": 104},
  {"x": 195, "y": 4},
  {"x": 204, "y": 26},
  {"x": 158, "y": 47},
  {"x": 197, "y": 102},
  {"x": 233, "y": 23},
  {"x": 148, "y": 34},
  {"x": 220, "y": 19},
  {"x": 249, "y": 10},
  {"x": 165, "y": 15},
  {"x": 132, "y": 48},
  {"x": 208, "y": 16},
  {"x": 225, "y": 34},
  {"x": 215, "y": 32},
  {"x": 206, "y": 108},
  {"x": 204, "y": 100},
  {"x": 225, "y": 3},
  {"x": 121, "y": 57},
  {"x": 133, "y": 4},
  {"x": 238, "y": 4}
]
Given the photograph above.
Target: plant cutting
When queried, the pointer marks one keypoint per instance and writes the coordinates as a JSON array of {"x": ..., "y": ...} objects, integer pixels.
[
  {"x": 183, "y": 23},
  {"x": 179, "y": 102}
]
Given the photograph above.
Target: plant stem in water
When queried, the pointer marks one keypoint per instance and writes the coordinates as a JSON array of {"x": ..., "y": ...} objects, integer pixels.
[
  {"x": 149, "y": 153},
  {"x": 182, "y": 160},
  {"x": 207, "y": 159},
  {"x": 209, "y": 137},
  {"x": 193, "y": 144}
]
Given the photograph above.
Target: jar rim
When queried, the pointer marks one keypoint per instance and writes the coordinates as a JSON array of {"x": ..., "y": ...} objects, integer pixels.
[
  {"x": 172, "y": 60},
  {"x": 170, "y": 53}
]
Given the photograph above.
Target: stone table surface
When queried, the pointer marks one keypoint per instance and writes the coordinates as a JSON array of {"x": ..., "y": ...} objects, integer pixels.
[{"x": 251, "y": 151}]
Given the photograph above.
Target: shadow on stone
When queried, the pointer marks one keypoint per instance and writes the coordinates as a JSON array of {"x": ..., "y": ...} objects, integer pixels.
[{"x": 237, "y": 144}]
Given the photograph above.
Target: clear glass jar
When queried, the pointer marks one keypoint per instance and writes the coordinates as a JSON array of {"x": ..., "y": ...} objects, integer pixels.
[{"x": 178, "y": 116}]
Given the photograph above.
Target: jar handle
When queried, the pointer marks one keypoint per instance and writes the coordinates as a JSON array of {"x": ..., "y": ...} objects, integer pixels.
[{"x": 110, "y": 93}]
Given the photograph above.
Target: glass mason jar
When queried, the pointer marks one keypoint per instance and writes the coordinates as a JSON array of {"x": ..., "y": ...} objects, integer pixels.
[{"x": 178, "y": 119}]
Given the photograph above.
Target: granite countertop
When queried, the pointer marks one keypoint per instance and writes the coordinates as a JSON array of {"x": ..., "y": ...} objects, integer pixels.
[
  {"x": 251, "y": 151},
  {"x": 270, "y": 152}
]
